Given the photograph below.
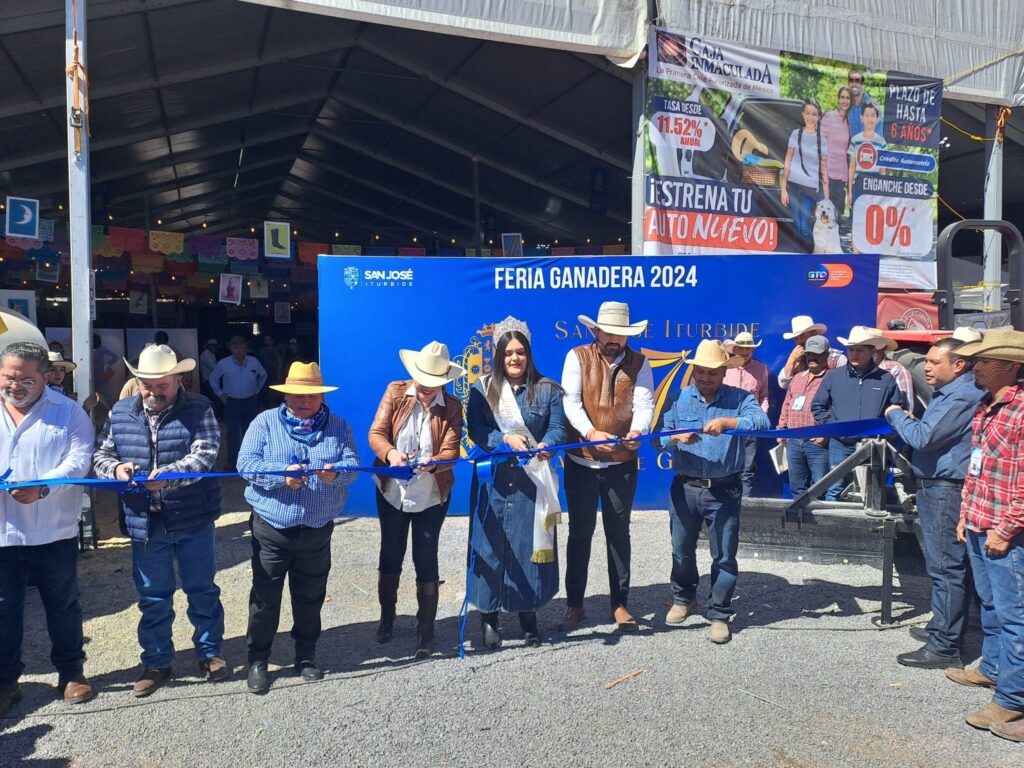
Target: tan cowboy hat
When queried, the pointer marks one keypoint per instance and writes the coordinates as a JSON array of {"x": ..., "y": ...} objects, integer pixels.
[
  {"x": 863, "y": 334},
  {"x": 996, "y": 345},
  {"x": 303, "y": 379},
  {"x": 431, "y": 366},
  {"x": 967, "y": 335},
  {"x": 711, "y": 354},
  {"x": 613, "y": 318},
  {"x": 157, "y": 361},
  {"x": 745, "y": 339},
  {"x": 57, "y": 361},
  {"x": 803, "y": 324},
  {"x": 890, "y": 344}
]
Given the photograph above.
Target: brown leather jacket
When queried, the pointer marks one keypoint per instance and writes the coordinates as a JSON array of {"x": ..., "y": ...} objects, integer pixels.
[
  {"x": 445, "y": 430},
  {"x": 607, "y": 398}
]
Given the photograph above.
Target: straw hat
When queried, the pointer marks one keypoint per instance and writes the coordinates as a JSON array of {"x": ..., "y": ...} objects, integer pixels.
[
  {"x": 711, "y": 354},
  {"x": 613, "y": 318},
  {"x": 157, "y": 361},
  {"x": 431, "y": 366},
  {"x": 15, "y": 329},
  {"x": 890, "y": 344},
  {"x": 863, "y": 334},
  {"x": 802, "y": 324},
  {"x": 57, "y": 361},
  {"x": 967, "y": 335},
  {"x": 745, "y": 339},
  {"x": 303, "y": 379},
  {"x": 996, "y": 345}
]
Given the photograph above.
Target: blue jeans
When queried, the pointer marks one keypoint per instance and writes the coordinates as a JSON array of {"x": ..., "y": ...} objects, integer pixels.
[
  {"x": 801, "y": 204},
  {"x": 837, "y": 452},
  {"x": 1000, "y": 585},
  {"x": 946, "y": 560},
  {"x": 153, "y": 570},
  {"x": 55, "y": 567},
  {"x": 690, "y": 507},
  {"x": 808, "y": 463}
]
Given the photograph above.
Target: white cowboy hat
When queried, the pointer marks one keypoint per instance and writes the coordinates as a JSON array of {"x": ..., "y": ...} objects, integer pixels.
[
  {"x": 802, "y": 324},
  {"x": 998, "y": 344},
  {"x": 613, "y": 318},
  {"x": 57, "y": 361},
  {"x": 14, "y": 329},
  {"x": 431, "y": 366},
  {"x": 744, "y": 339},
  {"x": 863, "y": 334},
  {"x": 711, "y": 354},
  {"x": 967, "y": 335},
  {"x": 157, "y": 361}
]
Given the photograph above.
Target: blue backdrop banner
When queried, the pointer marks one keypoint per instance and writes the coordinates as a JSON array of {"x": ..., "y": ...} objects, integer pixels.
[{"x": 372, "y": 307}]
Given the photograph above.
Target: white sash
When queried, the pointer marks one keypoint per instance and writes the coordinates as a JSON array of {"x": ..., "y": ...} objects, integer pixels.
[{"x": 547, "y": 511}]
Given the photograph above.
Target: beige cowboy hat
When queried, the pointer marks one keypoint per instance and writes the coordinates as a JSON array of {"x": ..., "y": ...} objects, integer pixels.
[
  {"x": 431, "y": 366},
  {"x": 890, "y": 344},
  {"x": 997, "y": 344},
  {"x": 711, "y": 354},
  {"x": 966, "y": 335},
  {"x": 802, "y": 324},
  {"x": 613, "y": 318},
  {"x": 863, "y": 334},
  {"x": 157, "y": 361},
  {"x": 303, "y": 379},
  {"x": 744, "y": 339},
  {"x": 57, "y": 361}
]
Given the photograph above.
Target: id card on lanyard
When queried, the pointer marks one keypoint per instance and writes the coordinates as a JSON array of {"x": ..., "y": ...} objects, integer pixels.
[{"x": 974, "y": 466}]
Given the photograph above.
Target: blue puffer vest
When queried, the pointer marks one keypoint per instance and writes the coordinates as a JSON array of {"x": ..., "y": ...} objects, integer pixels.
[{"x": 184, "y": 509}]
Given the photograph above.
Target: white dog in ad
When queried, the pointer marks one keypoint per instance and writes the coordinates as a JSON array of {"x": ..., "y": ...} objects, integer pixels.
[{"x": 826, "y": 228}]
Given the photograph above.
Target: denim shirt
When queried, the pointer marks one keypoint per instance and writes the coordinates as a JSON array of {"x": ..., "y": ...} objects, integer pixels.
[
  {"x": 942, "y": 438},
  {"x": 710, "y": 457}
]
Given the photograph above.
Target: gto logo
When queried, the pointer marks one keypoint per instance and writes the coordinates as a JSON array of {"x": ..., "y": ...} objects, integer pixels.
[{"x": 830, "y": 275}]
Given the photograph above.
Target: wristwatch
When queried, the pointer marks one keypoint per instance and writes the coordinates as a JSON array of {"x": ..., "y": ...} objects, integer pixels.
[{"x": 44, "y": 492}]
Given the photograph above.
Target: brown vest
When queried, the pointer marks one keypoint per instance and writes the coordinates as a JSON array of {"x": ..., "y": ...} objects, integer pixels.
[{"x": 607, "y": 398}]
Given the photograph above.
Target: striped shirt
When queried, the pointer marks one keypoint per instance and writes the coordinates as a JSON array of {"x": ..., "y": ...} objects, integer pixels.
[
  {"x": 269, "y": 446},
  {"x": 993, "y": 495}
]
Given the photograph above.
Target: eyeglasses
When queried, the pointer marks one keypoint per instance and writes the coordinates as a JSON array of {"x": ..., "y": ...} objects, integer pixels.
[{"x": 22, "y": 383}]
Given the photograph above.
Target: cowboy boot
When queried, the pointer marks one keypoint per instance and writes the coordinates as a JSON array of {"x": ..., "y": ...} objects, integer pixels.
[
  {"x": 489, "y": 628},
  {"x": 387, "y": 595},
  {"x": 528, "y": 623},
  {"x": 426, "y": 598}
]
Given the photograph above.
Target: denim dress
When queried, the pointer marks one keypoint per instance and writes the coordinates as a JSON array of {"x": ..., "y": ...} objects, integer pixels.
[{"x": 501, "y": 527}]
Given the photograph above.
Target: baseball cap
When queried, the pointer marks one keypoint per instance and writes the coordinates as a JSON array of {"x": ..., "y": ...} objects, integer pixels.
[{"x": 816, "y": 345}]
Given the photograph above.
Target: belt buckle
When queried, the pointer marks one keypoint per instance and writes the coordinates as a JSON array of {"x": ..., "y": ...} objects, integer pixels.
[{"x": 704, "y": 482}]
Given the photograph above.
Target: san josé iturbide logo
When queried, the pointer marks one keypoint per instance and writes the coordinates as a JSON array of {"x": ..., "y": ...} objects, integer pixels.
[{"x": 351, "y": 276}]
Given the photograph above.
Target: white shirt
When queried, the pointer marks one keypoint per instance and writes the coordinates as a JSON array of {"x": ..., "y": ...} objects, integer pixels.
[
  {"x": 207, "y": 362},
  {"x": 238, "y": 380},
  {"x": 572, "y": 402},
  {"x": 415, "y": 437},
  {"x": 54, "y": 440}
]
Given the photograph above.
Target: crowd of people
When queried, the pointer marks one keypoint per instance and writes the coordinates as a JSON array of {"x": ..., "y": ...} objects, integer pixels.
[{"x": 297, "y": 458}]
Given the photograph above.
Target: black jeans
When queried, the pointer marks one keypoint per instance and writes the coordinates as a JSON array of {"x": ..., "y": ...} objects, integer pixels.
[
  {"x": 614, "y": 487},
  {"x": 394, "y": 538},
  {"x": 749, "y": 465},
  {"x": 238, "y": 414},
  {"x": 304, "y": 554},
  {"x": 55, "y": 568}
]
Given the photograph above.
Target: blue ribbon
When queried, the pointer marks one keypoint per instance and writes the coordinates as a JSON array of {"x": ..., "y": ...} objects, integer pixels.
[{"x": 485, "y": 462}]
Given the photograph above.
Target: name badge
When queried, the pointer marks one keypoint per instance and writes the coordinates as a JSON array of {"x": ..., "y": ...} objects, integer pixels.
[
  {"x": 798, "y": 402},
  {"x": 975, "y": 466}
]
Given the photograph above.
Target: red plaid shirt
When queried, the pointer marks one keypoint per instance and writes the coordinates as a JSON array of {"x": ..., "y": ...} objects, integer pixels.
[
  {"x": 806, "y": 386},
  {"x": 994, "y": 493}
]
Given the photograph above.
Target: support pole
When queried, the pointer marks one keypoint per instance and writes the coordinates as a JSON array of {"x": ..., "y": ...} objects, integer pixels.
[
  {"x": 478, "y": 235},
  {"x": 636, "y": 206},
  {"x": 79, "y": 202},
  {"x": 993, "y": 248}
]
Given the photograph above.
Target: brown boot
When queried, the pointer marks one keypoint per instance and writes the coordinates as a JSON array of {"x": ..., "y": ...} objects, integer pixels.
[
  {"x": 624, "y": 619},
  {"x": 150, "y": 680},
  {"x": 426, "y": 597},
  {"x": 572, "y": 619},
  {"x": 214, "y": 668},
  {"x": 677, "y": 615},
  {"x": 76, "y": 690},
  {"x": 971, "y": 676},
  {"x": 387, "y": 596},
  {"x": 991, "y": 714},
  {"x": 1013, "y": 731}
]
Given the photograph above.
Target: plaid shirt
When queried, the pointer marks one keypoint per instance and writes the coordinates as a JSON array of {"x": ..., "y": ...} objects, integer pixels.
[
  {"x": 904, "y": 382},
  {"x": 806, "y": 386},
  {"x": 994, "y": 492},
  {"x": 200, "y": 458}
]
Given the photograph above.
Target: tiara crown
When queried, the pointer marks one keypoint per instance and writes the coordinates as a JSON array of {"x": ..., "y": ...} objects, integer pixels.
[{"x": 511, "y": 324}]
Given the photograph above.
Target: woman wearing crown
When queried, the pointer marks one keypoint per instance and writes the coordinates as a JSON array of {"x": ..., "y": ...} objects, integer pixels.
[{"x": 514, "y": 513}]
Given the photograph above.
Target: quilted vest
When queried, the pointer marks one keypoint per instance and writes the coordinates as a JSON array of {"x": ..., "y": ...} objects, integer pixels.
[
  {"x": 184, "y": 509},
  {"x": 607, "y": 398}
]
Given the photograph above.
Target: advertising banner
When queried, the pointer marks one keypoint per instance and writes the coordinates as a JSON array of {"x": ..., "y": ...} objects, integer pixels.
[
  {"x": 457, "y": 302},
  {"x": 751, "y": 149}
]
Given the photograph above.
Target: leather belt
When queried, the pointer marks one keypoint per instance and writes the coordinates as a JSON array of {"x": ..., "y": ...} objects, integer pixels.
[
  {"x": 931, "y": 482},
  {"x": 711, "y": 482}
]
